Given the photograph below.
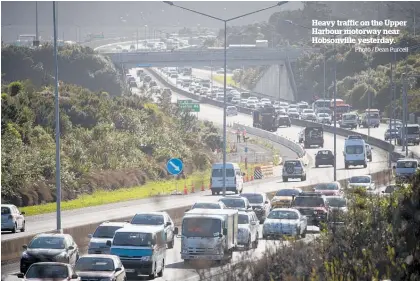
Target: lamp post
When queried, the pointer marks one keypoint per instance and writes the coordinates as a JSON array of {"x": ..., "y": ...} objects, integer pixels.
[
  {"x": 57, "y": 126},
  {"x": 225, "y": 21}
]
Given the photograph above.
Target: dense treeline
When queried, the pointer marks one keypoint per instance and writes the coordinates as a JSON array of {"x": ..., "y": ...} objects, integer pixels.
[
  {"x": 106, "y": 142},
  {"x": 77, "y": 65}
]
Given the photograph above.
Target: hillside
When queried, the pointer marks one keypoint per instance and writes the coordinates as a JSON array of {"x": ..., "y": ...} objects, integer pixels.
[
  {"x": 106, "y": 142},
  {"x": 77, "y": 65}
]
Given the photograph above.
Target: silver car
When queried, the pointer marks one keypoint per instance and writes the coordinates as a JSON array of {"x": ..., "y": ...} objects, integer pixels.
[
  {"x": 259, "y": 203},
  {"x": 231, "y": 111},
  {"x": 12, "y": 219},
  {"x": 285, "y": 221},
  {"x": 104, "y": 232},
  {"x": 248, "y": 226},
  {"x": 157, "y": 218}
]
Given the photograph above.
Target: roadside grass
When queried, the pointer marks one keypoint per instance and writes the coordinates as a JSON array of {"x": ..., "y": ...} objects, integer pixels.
[
  {"x": 229, "y": 80},
  {"x": 150, "y": 189}
]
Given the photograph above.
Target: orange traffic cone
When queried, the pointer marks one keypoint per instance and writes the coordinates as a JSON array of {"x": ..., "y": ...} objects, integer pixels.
[
  {"x": 185, "y": 189},
  {"x": 192, "y": 188},
  {"x": 202, "y": 186}
]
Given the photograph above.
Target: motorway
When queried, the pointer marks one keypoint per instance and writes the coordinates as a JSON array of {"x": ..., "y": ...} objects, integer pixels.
[
  {"x": 175, "y": 270},
  {"x": 378, "y": 133}
]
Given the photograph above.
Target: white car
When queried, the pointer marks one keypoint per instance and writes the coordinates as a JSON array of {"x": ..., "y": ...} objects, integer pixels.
[
  {"x": 231, "y": 111},
  {"x": 362, "y": 181},
  {"x": 208, "y": 205},
  {"x": 12, "y": 219},
  {"x": 248, "y": 226},
  {"x": 323, "y": 118},
  {"x": 235, "y": 100},
  {"x": 157, "y": 218},
  {"x": 104, "y": 232},
  {"x": 285, "y": 221},
  {"x": 252, "y": 104}
]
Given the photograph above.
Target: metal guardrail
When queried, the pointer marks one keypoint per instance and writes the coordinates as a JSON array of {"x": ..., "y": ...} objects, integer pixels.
[{"x": 297, "y": 122}]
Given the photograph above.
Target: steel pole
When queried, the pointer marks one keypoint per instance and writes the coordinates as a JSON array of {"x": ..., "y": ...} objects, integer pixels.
[
  {"x": 404, "y": 113},
  {"x": 57, "y": 127},
  {"x": 368, "y": 119},
  {"x": 224, "y": 114},
  {"x": 36, "y": 24},
  {"x": 335, "y": 112},
  {"x": 137, "y": 39},
  {"x": 391, "y": 110},
  {"x": 325, "y": 77}
]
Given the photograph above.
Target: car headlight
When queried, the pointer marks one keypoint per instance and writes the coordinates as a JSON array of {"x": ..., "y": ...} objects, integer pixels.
[
  {"x": 147, "y": 258},
  {"x": 25, "y": 255}
]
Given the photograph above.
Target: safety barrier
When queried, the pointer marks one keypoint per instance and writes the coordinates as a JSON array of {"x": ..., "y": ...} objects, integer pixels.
[
  {"x": 267, "y": 170},
  {"x": 258, "y": 175}
]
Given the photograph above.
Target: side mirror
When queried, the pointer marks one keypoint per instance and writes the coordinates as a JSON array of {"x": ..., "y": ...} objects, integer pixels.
[
  {"x": 394, "y": 167},
  {"x": 176, "y": 231},
  {"x": 22, "y": 213},
  {"x": 20, "y": 275},
  {"x": 243, "y": 174},
  {"x": 70, "y": 248},
  {"x": 168, "y": 223},
  {"x": 225, "y": 231},
  {"x": 108, "y": 243},
  {"x": 118, "y": 269},
  {"x": 25, "y": 246},
  {"x": 266, "y": 202},
  {"x": 306, "y": 164},
  {"x": 90, "y": 235},
  {"x": 220, "y": 235},
  {"x": 383, "y": 191},
  {"x": 74, "y": 276}
]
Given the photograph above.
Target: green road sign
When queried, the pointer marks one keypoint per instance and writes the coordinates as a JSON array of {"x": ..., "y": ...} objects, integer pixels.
[
  {"x": 193, "y": 107},
  {"x": 184, "y": 101}
]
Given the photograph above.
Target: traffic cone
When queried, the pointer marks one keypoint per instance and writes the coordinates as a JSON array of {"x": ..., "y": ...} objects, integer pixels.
[
  {"x": 185, "y": 189},
  {"x": 192, "y": 187}
]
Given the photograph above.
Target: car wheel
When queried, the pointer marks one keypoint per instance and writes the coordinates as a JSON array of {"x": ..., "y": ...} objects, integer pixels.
[
  {"x": 152, "y": 276},
  {"x": 255, "y": 244},
  {"x": 171, "y": 244},
  {"x": 303, "y": 235},
  {"x": 249, "y": 246},
  {"x": 316, "y": 165},
  {"x": 23, "y": 227},
  {"x": 14, "y": 228},
  {"x": 285, "y": 179},
  {"x": 160, "y": 274},
  {"x": 213, "y": 192}
]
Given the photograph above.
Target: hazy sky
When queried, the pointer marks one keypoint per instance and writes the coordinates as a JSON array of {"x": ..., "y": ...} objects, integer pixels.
[{"x": 124, "y": 17}]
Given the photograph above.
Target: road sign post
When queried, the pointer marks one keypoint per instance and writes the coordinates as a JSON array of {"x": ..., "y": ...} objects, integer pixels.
[{"x": 175, "y": 167}]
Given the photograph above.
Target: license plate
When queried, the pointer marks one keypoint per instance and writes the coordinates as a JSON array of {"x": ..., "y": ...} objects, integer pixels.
[{"x": 129, "y": 270}]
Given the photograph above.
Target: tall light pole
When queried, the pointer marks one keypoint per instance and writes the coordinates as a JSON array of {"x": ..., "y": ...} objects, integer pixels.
[
  {"x": 225, "y": 21},
  {"x": 57, "y": 127},
  {"x": 36, "y": 43}
]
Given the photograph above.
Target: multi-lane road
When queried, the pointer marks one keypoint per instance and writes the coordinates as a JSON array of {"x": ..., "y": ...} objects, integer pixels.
[
  {"x": 378, "y": 133},
  {"x": 175, "y": 269}
]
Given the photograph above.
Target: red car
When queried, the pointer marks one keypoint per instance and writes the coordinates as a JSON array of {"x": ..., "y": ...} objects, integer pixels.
[{"x": 329, "y": 189}]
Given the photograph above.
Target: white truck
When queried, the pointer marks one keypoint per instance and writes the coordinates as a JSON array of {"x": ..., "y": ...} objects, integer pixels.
[{"x": 209, "y": 234}]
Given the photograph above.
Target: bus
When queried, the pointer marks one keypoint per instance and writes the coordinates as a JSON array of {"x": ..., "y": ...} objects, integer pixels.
[
  {"x": 321, "y": 103},
  {"x": 337, "y": 102}
]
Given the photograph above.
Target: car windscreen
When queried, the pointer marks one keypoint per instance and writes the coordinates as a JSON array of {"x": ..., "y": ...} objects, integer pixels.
[
  {"x": 349, "y": 117},
  {"x": 148, "y": 219},
  {"x": 359, "y": 179},
  {"x": 336, "y": 202},
  {"x": 253, "y": 198},
  {"x": 283, "y": 215},
  {"x": 354, "y": 149},
  {"x": 50, "y": 271},
  {"x": 326, "y": 186},
  {"x": 308, "y": 202},
  {"x": 47, "y": 243},
  {"x": 243, "y": 219},
  {"x": 95, "y": 264},
  {"x": 218, "y": 173},
  {"x": 414, "y": 130},
  {"x": 407, "y": 164},
  {"x": 201, "y": 227},
  {"x": 105, "y": 231},
  {"x": 135, "y": 239},
  {"x": 233, "y": 203},
  {"x": 288, "y": 192},
  {"x": 206, "y": 206},
  {"x": 324, "y": 153},
  {"x": 5, "y": 210}
]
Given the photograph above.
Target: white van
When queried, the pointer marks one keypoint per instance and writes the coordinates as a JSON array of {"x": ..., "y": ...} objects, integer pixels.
[
  {"x": 355, "y": 153},
  {"x": 234, "y": 178}
]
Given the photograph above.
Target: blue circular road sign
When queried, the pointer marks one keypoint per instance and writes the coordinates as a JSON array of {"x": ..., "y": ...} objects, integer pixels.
[{"x": 175, "y": 166}]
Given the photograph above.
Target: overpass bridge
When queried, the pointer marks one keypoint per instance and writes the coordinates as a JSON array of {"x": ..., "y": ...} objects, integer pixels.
[{"x": 236, "y": 57}]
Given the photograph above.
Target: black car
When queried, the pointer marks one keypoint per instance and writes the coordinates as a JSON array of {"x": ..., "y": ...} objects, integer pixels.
[
  {"x": 100, "y": 267},
  {"x": 314, "y": 206},
  {"x": 259, "y": 203},
  {"x": 324, "y": 157},
  {"x": 51, "y": 247},
  {"x": 284, "y": 120}
]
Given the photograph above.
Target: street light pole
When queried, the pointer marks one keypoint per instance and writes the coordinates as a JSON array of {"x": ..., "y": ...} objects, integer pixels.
[
  {"x": 57, "y": 127},
  {"x": 335, "y": 113},
  {"x": 36, "y": 25},
  {"x": 225, "y": 21}
]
